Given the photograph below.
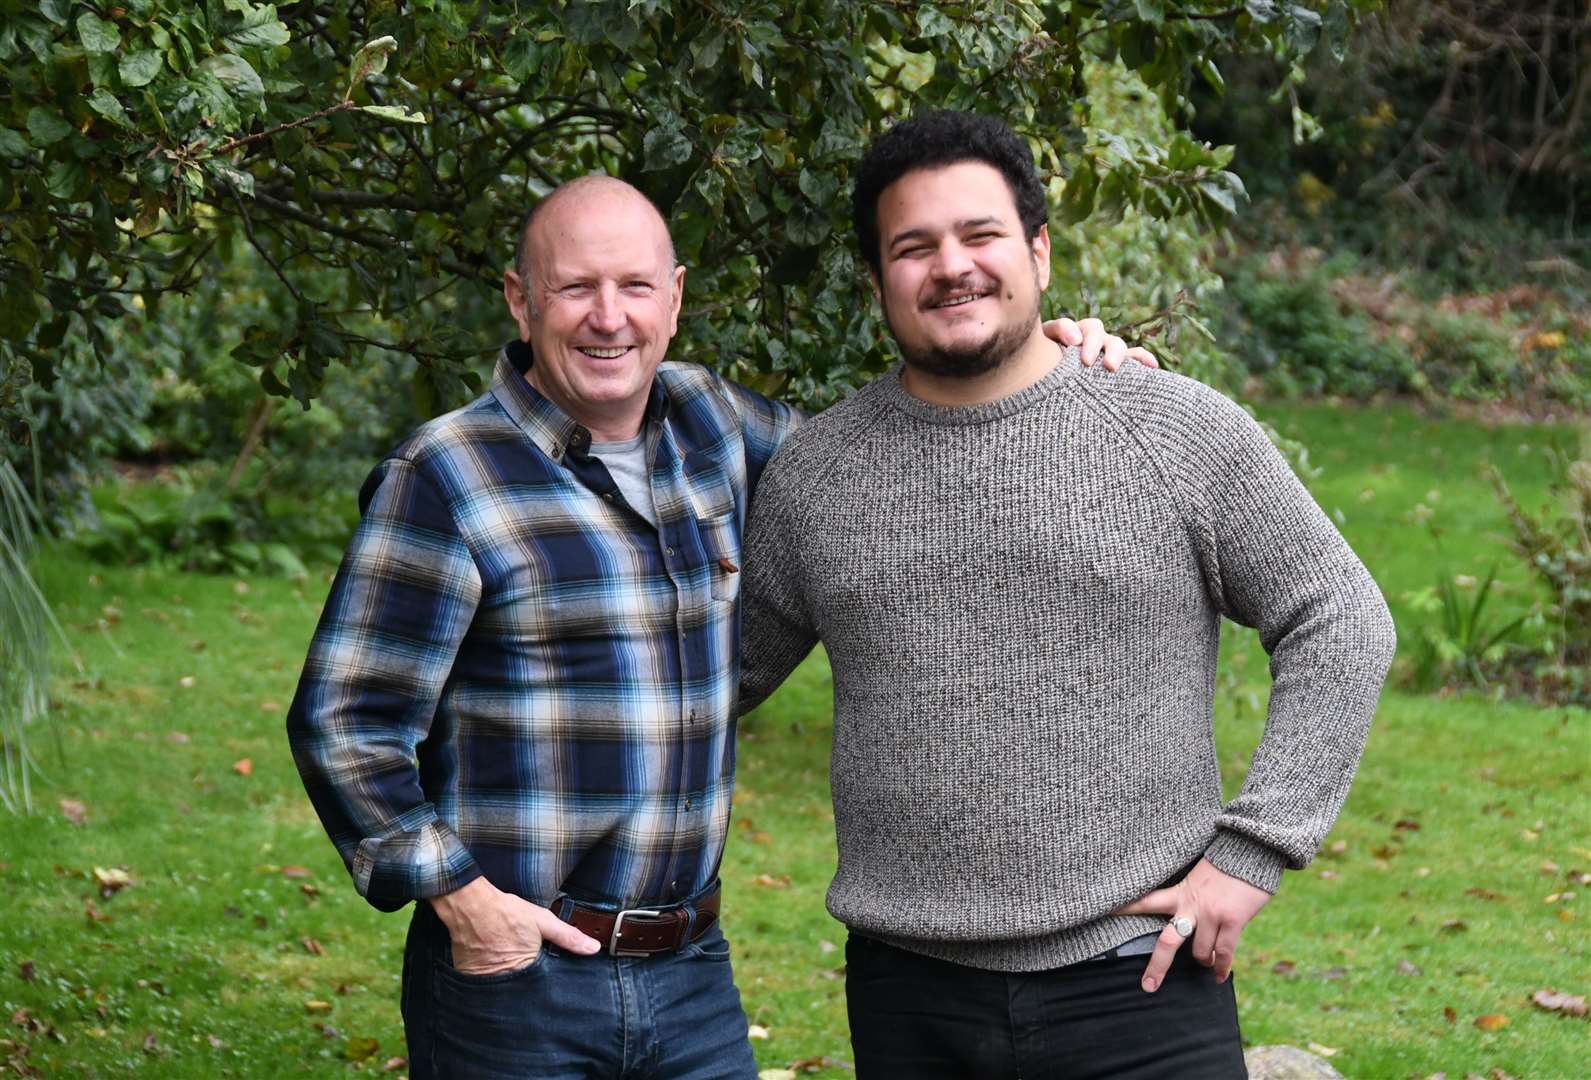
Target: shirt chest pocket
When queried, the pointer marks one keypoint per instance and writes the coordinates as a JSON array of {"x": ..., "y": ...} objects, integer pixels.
[{"x": 712, "y": 497}]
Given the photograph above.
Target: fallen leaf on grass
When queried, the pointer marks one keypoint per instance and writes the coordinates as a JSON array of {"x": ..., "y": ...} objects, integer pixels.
[
  {"x": 756, "y": 1031},
  {"x": 186, "y": 682},
  {"x": 111, "y": 881},
  {"x": 1406, "y": 968},
  {"x": 311, "y": 892},
  {"x": 777, "y": 1074},
  {"x": 270, "y": 707},
  {"x": 178, "y": 737},
  {"x": 1332, "y": 974},
  {"x": 1492, "y": 1022},
  {"x": 25, "y": 971},
  {"x": 1454, "y": 926},
  {"x": 361, "y": 1048},
  {"x": 151, "y": 1044},
  {"x": 1285, "y": 968},
  {"x": 768, "y": 881},
  {"x": 92, "y": 913},
  {"x": 74, "y": 811},
  {"x": 393, "y": 1064},
  {"x": 1552, "y": 1001},
  {"x": 818, "y": 1064},
  {"x": 311, "y": 946},
  {"x": 297, "y": 872},
  {"x": 1483, "y": 894},
  {"x": 243, "y": 766},
  {"x": 215, "y": 1043},
  {"x": 317, "y": 1006},
  {"x": 1450, "y": 1015},
  {"x": 1323, "y": 1051},
  {"x": 1406, "y": 825},
  {"x": 826, "y": 946}
]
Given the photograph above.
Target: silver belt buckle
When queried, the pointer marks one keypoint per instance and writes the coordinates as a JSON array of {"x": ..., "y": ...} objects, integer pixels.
[{"x": 641, "y": 914}]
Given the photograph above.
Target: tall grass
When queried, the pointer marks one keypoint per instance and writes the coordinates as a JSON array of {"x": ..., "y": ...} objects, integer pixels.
[{"x": 26, "y": 626}]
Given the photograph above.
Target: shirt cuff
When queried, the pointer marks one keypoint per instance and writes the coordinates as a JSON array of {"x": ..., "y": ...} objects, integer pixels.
[
  {"x": 389, "y": 871},
  {"x": 1247, "y": 860}
]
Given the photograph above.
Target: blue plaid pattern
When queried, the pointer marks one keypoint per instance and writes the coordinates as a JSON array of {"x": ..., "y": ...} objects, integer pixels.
[{"x": 515, "y": 675}]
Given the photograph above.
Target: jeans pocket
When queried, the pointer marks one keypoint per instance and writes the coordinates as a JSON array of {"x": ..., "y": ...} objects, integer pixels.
[
  {"x": 448, "y": 972},
  {"x": 710, "y": 946}
]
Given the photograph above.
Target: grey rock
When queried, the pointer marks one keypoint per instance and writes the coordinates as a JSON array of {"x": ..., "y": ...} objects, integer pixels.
[{"x": 1287, "y": 1063}]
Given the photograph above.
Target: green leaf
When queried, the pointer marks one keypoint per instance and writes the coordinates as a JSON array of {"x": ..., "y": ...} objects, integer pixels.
[
  {"x": 522, "y": 57},
  {"x": 399, "y": 113},
  {"x": 1151, "y": 11},
  {"x": 371, "y": 59},
  {"x": 237, "y": 75},
  {"x": 1077, "y": 202},
  {"x": 96, "y": 34},
  {"x": 820, "y": 187},
  {"x": 107, "y": 105},
  {"x": 807, "y": 226},
  {"x": 57, "y": 11},
  {"x": 12, "y": 144},
  {"x": 139, "y": 68},
  {"x": 260, "y": 29},
  {"x": 46, "y": 126},
  {"x": 1262, "y": 11},
  {"x": 19, "y": 310},
  {"x": 67, "y": 180},
  {"x": 664, "y": 148},
  {"x": 931, "y": 22}
]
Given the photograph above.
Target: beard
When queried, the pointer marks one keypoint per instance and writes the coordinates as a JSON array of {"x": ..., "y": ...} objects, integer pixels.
[{"x": 972, "y": 359}]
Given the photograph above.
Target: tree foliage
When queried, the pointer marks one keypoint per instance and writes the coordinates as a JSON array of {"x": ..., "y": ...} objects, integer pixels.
[{"x": 376, "y": 155}]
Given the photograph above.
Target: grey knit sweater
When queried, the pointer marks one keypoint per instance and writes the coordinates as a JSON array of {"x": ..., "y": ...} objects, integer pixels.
[{"x": 1021, "y": 603}]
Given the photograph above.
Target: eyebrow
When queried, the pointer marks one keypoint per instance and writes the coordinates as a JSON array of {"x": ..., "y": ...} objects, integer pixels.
[{"x": 961, "y": 226}]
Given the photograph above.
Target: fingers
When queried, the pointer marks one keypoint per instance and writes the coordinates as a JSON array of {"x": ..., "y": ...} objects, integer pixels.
[
  {"x": 1115, "y": 349},
  {"x": 1064, "y": 331},
  {"x": 1142, "y": 356},
  {"x": 1158, "y": 902},
  {"x": 1203, "y": 943},
  {"x": 1160, "y": 960},
  {"x": 1225, "y": 951},
  {"x": 561, "y": 934},
  {"x": 1094, "y": 338}
]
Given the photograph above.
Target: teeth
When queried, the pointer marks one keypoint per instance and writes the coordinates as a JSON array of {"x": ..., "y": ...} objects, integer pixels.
[
  {"x": 957, "y": 301},
  {"x": 605, "y": 354}
]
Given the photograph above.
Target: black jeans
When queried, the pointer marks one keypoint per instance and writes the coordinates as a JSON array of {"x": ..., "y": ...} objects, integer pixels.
[{"x": 917, "y": 1018}]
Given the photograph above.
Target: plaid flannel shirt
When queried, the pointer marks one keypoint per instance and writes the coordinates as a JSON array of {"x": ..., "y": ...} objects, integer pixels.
[{"x": 515, "y": 674}]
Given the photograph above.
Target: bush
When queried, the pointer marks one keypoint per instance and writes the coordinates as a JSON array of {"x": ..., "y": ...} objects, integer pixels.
[{"x": 1297, "y": 337}]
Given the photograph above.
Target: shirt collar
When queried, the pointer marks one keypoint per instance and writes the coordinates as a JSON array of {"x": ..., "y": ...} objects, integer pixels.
[{"x": 549, "y": 427}]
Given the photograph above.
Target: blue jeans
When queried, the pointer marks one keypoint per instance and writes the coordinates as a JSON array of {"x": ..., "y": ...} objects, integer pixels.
[{"x": 674, "y": 1016}]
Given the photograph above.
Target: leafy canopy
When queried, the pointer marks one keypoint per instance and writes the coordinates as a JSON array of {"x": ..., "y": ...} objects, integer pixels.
[{"x": 377, "y": 155}]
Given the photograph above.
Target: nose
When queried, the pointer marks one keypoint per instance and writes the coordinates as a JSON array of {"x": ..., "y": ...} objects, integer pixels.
[
  {"x": 951, "y": 261},
  {"x": 607, "y": 313}
]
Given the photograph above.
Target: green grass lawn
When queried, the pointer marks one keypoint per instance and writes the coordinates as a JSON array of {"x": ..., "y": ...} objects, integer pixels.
[{"x": 240, "y": 948}]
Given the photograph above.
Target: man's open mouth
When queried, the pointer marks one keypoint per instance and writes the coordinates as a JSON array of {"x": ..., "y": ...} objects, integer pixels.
[
  {"x": 958, "y": 299},
  {"x": 598, "y": 353}
]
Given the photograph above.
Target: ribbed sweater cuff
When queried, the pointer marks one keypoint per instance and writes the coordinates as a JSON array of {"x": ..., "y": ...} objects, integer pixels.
[{"x": 1247, "y": 860}]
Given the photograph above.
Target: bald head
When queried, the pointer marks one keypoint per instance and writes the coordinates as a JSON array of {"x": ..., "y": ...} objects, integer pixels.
[{"x": 593, "y": 194}]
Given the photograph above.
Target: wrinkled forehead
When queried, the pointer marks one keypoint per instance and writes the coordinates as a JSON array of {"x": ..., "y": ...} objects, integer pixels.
[{"x": 608, "y": 234}]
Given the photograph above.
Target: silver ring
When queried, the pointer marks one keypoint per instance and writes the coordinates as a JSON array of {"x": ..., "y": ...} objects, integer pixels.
[{"x": 1183, "y": 925}]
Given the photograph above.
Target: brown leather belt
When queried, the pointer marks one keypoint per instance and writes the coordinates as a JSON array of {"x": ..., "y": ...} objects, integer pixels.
[{"x": 643, "y": 931}]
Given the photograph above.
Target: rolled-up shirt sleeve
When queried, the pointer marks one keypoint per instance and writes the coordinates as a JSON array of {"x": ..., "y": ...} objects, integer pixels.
[{"x": 380, "y": 661}]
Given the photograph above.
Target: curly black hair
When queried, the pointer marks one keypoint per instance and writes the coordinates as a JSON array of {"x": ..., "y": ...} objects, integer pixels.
[{"x": 944, "y": 138}]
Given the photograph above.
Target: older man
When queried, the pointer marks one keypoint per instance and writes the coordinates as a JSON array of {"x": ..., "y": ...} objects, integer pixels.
[
  {"x": 518, "y": 706},
  {"x": 1019, "y": 571}
]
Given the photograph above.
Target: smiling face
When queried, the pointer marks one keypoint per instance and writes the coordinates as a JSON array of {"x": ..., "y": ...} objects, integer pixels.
[
  {"x": 598, "y": 304},
  {"x": 959, "y": 282}
]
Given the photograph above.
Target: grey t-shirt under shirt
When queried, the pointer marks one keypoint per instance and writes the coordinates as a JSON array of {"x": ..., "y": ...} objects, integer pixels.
[{"x": 626, "y": 462}]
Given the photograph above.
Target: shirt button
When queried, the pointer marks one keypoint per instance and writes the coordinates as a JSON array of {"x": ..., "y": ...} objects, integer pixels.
[
  {"x": 668, "y": 551},
  {"x": 689, "y": 804},
  {"x": 673, "y": 887},
  {"x": 693, "y": 715},
  {"x": 608, "y": 495}
]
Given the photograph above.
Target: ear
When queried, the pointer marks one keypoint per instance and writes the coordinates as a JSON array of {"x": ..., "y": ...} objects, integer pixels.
[
  {"x": 878, "y": 291},
  {"x": 515, "y": 292},
  {"x": 679, "y": 296},
  {"x": 1041, "y": 256}
]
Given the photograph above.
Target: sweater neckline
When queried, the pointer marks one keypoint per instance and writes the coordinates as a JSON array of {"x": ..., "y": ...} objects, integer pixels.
[{"x": 898, "y": 397}]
